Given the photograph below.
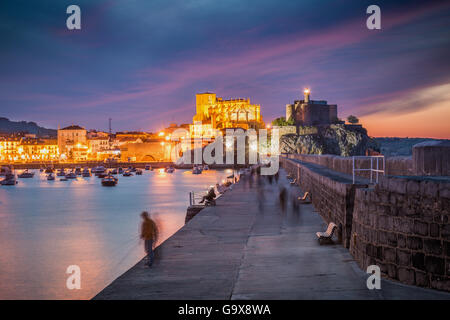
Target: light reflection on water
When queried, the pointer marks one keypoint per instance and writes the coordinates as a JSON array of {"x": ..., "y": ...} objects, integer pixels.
[{"x": 45, "y": 226}]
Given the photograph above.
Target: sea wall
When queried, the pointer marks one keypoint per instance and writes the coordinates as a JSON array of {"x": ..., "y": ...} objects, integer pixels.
[
  {"x": 333, "y": 198},
  {"x": 402, "y": 225},
  {"x": 394, "y": 165}
]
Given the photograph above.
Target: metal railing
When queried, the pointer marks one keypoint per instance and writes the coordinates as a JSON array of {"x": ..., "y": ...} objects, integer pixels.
[
  {"x": 374, "y": 168},
  {"x": 196, "y": 197}
]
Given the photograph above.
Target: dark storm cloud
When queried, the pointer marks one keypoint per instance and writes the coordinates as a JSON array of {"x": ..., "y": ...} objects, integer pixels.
[{"x": 141, "y": 62}]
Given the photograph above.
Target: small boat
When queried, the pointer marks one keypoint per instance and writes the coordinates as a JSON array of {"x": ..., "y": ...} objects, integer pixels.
[
  {"x": 71, "y": 175},
  {"x": 169, "y": 169},
  {"x": 138, "y": 172},
  {"x": 86, "y": 173},
  {"x": 49, "y": 170},
  {"x": 9, "y": 180},
  {"x": 4, "y": 170},
  {"x": 78, "y": 171},
  {"x": 50, "y": 177},
  {"x": 205, "y": 167},
  {"x": 148, "y": 167},
  {"x": 99, "y": 169},
  {"x": 196, "y": 170},
  {"x": 109, "y": 181},
  {"x": 127, "y": 173},
  {"x": 61, "y": 173},
  {"x": 26, "y": 174}
]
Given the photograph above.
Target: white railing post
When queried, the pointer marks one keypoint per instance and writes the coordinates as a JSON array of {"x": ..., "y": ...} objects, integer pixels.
[
  {"x": 377, "y": 170},
  {"x": 371, "y": 166},
  {"x": 353, "y": 171}
]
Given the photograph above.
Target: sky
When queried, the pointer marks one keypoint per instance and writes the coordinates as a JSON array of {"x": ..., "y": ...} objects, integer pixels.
[{"x": 141, "y": 62}]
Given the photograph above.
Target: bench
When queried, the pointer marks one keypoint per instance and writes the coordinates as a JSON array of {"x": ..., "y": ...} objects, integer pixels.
[
  {"x": 305, "y": 199},
  {"x": 327, "y": 235}
]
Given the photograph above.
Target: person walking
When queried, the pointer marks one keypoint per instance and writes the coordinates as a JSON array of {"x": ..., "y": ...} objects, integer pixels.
[{"x": 149, "y": 233}]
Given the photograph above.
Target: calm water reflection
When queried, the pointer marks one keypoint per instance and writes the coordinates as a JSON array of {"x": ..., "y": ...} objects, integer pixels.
[{"x": 45, "y": 226}]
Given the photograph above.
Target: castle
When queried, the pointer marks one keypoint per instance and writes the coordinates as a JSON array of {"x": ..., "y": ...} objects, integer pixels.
[
  {"x": 214, "y": 113},
  {"x": 309, "y": 112}
]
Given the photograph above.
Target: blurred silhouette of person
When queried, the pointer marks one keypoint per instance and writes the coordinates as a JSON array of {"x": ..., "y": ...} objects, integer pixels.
[
  {"x": 210, "y": 196},
  {"x": 277, "y": 176},
  {"x": 282, "y": 198},
  {"x": 149, "y": 233}
]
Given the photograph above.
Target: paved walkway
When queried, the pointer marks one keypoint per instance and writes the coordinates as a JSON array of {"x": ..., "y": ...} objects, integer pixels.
[{"x": 249, "y": 247}]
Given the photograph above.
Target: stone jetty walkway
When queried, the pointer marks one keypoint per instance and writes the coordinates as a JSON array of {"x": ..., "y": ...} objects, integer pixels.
[{"x": 249, "y": 247}]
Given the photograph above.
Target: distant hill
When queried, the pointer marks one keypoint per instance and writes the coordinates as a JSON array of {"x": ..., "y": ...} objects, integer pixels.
[
  {"x": 7, "y": 126},
  {"x": 400, "y": 146}
]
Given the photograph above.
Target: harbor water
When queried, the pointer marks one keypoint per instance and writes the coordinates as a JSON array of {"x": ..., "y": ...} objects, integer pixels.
[{"x": 47, "y": 226}]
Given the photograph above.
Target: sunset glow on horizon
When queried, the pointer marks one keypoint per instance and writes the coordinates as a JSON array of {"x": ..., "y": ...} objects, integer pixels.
[{"x": 143, "y": 70}]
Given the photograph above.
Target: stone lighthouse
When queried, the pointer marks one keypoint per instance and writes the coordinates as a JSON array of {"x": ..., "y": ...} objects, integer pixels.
[{"x": 309, "y": 112}]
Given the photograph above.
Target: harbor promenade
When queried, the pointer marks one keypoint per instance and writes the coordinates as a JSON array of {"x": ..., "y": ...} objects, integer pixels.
[{"x": 250, "y": 246}]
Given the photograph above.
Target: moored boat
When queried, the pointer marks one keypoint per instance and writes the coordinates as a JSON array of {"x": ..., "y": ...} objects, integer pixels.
[
  {"x": 169, "y": 169},
  {"x": 9, "y": 180},
  {"x": 86, "y": 173},
  {"x": 49, "y": 170},
  {"x": 127, "y": 173},
  {"x": 50, "y": 177},
  {"x": 26, "y": 174},
  {"x": 98, "y": 169},
  {"x": 109, "y": 181},
  {"x": 71, "y": 175},
  {"x": 4, "y": 170}
]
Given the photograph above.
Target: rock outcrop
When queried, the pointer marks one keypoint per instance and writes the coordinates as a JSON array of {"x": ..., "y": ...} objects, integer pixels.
[{"x": 339, "y": 139}]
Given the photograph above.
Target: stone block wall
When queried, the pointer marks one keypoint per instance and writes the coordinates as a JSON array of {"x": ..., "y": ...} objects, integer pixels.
[
  {"x": 432, "y": 158},
  {"x": 332, "y": 199},
  {"x": 402, "y": 225}
]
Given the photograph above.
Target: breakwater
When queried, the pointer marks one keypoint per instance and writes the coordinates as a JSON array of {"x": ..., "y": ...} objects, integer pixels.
[
  {"x": 249, "y": 246},
  {"x": 401, "y": 224}
]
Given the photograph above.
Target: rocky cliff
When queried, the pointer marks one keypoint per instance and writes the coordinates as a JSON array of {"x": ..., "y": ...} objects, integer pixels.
[{"x": 339, "y": 139}]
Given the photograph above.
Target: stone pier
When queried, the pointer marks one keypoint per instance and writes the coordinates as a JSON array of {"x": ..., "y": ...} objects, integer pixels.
[{"x": 250, "y": 246}]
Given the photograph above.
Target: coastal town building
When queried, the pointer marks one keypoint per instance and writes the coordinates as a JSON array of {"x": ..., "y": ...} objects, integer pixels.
[
  {"x": 309, "y": 112},
  {"x": 20, "y": 149},
  {"x": 97, "y": 145},
  {"x": 72, "y": 143},
  {"x": 214, "y": 113}
]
